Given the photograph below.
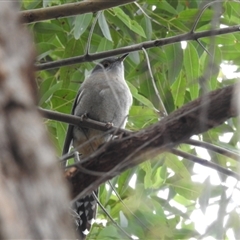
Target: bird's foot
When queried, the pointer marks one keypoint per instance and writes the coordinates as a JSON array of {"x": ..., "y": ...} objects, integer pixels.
[
  {"x": 76, "y": 157},
  {"x": 109, "y": 125},
  {"x": 83, "y": 116}
]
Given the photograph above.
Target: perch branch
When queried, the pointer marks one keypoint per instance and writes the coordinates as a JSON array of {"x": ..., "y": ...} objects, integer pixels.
[{"x": 177, "y": 127}]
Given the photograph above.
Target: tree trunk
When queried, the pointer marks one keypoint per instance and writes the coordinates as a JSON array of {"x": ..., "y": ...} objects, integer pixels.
[{"x": 34, "y": 199}]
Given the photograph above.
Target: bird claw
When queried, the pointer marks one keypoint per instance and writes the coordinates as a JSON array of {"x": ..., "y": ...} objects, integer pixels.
[
  {"x": 76, "y": 157},
  {"x": 109, "y": 125},
  {"x": 83, "y": 116}
]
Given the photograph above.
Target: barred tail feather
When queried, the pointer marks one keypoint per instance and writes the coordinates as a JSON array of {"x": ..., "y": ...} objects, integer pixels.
[{"x": 86, "y": 209}]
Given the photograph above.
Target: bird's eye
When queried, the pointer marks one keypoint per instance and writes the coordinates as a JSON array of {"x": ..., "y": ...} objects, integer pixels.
[{"x": 106, "y": 64}]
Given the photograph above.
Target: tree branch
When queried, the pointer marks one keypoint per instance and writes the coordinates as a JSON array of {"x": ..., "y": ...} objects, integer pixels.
[
  {"x": 81, "y": 121},
  {"x": 70, "y": 9},
  {"x": 119, "y": 155},
  {"x": 205, "y": 163},
  {"x": 214, "y": 148},
  {"x": 137, "y": 47},
  {"x": 89, "y": 123}
]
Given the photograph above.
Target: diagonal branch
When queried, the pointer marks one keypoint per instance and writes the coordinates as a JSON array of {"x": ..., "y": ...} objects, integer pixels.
[
  {"x": 231, "y": 154},
  {"x": 137, "y": 47},
  {"x": 205, "y": 163},
  {"x": 121, "y": 154}
]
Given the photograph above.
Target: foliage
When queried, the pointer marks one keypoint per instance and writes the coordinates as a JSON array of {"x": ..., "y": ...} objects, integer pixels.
[{"x": 170, "y": 197}]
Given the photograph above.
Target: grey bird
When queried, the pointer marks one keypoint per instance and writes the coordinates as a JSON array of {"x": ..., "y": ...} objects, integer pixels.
[{"x": 104, "y": 96}]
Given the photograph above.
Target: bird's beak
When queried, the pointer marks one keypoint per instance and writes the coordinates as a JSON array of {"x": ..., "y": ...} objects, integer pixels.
[{"x": 123, "y": 57}]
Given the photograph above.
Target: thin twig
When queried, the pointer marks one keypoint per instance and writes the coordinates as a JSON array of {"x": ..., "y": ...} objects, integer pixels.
[
  {"x": 145, "y": 14},
  {"x": 112, "y": 220},
  {"x": 120, "y": 199},
  {"x": 205, "y": 163},
  {"x": 87, "y": 49},
  {"x": 163, "y": 110},
  {"x": 201, "y": 13},
  {"x": 137, "y": 47},
  {"x": 197, "y": 40},
  {"x": 214, "y": 148}
]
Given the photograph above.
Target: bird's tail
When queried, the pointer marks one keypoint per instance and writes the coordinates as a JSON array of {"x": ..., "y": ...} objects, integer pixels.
[{"x": 86, "y": 209}]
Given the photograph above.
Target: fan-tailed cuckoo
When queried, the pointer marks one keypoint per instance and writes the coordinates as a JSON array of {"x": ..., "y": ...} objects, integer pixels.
[{"x": 104, "y": 96}]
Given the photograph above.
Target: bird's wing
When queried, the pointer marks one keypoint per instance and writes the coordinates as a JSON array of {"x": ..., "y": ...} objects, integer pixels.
[{"x": 69, "y": 135}]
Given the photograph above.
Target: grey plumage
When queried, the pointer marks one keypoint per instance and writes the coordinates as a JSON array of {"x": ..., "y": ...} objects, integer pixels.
[{"x": 104, "y": 96}]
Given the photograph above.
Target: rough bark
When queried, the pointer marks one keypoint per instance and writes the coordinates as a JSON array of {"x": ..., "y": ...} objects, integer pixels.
[
  {"x": 34, "y": 198},
  {"x": 113, "y": 158},
  {"x": 70, "y": 9}
]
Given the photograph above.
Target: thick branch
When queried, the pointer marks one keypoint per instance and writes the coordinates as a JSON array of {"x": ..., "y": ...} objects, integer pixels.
[
  {"x": 70, "y": 9},
  {"x": 89, "y": 123},
  {"x": 137, "y": 47},
  {"x": 193, "y": 118}
]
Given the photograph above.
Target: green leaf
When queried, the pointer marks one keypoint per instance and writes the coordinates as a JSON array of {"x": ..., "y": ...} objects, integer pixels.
[
  {"x": 191, "y": 65},
  {"x": 181, "y": 26},
  {"x": 225, "y": 40},
  {"x": 174, "y": 55},
  {"x": 190, "y": 15},
  {"x": 232, "y": 9},
  {"x": 141, "y": 117},
  {"x": 185, "y": 187},
  {"x": 148, "y": 27},
  {"x": 165, "y": 91},
  {"x": 123, "y": 220},
  {"x": 146, "y": 166},
  {"x": 140, "y": 98},
  {"x": 48, "y": 92},
  {"x": 44, "y": 49},
  {"x": 184, "y": 233},
  {"x": 31, "y": 4},
  {"x": 47, "y": 28},
  {"x": 104, "y": 26},
  {"x": 123, "y": 179},
  {"x": 131, "y": 24},
  {"x": 104, "y": 45},
  {"x": 177, "y": 166},
  {"x": 135, "y": 57},
  {"x": 109, "y": 232},
  {"x": 72, "y": 48},
  {"x": 62, "y": 100},
  {"x": 234, "y": 221},
  {"x": 81, "y": 24},
  {"x": 167, "y": 7},
  {"x": 178, "y": 91}
]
